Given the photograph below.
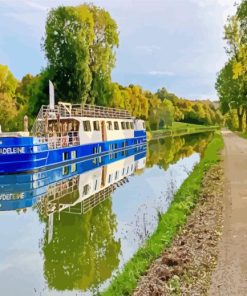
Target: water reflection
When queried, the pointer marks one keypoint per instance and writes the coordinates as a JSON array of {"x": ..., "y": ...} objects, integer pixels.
[
  {"x": 92, "y": 216},
  {"x": 166, "y": 151},
  {"x": 79, "y": 247},
  {"x": 85, "y": 257}
]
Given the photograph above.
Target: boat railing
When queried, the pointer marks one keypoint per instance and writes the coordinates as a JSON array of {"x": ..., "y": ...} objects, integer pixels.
[
  {"x": 59, "y": 141},
  {"x": 65, "y": 110},
  {"x": 84, "y": 110},
  {"x": 87, "y": 204}
]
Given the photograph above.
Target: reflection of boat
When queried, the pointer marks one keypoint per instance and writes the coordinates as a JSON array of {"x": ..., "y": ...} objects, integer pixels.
[
  {"x": 67, "y": 133},
  {"x": 64, "y": 187}
]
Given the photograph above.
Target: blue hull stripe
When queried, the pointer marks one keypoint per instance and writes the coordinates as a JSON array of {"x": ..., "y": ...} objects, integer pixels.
[{"x": 24, "y": 162}]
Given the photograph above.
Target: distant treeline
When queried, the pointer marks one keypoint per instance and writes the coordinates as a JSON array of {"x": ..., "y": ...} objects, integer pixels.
[{"x": 79, "y": 45}]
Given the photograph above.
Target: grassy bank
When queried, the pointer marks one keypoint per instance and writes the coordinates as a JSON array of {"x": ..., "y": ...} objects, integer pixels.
[
  {"x": 180, "y": 129},
  {"x": 242, "y": 135},
  {"x": 170, "y": 223}
]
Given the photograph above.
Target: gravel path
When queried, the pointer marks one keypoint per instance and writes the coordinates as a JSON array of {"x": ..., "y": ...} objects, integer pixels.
[
  {"x": 186, "y": 267},
  {"x": 230, "y": 276}
]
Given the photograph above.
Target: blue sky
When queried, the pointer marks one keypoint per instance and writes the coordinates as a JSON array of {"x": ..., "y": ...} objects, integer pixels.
[{"x": 172, "y": 43}]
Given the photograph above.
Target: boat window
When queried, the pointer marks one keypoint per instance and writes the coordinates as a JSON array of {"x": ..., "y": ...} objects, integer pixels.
[
  {"x": 109, "y": 125},
  {"x": 87, "y": 126},
  {"x": 96, "y": 183},
  {"x": 73, "y": 154},
  {"x": 86, "y": 189},
  {"x": 123, "y": 172},
  {"x": 65, "y": 170},
  {"x": 96, "y": 125},
  {"x": 116, "y": 126},
  {"x": 115, "y": 145},
  {"x": 73, "y": 167},
  {"x": 116, "y": 175},
  {"x": 144, "y": 125},
  {"x": 65, "y": 155},
  {"x": 132, "y": 125},
  {"x": 123, "y": 125},
  {"x": 109, "y": 178},
  {"x": 127, "y": 125}
]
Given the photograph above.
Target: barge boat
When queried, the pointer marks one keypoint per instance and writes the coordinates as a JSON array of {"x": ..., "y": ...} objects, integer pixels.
[{"x": 66, "y": 133}]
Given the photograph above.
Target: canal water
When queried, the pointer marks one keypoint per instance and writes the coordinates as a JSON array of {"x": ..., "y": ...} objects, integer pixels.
[{"x": 69, "y": 231}]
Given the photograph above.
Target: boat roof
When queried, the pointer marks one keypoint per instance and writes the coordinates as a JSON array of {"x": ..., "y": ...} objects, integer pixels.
[{"x": 83, "y": 110}]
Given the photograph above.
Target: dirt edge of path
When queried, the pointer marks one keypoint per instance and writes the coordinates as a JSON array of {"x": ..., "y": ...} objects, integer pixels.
[{"x": 185, "y": 268}]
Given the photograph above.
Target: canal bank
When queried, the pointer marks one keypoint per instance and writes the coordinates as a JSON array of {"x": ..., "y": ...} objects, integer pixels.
[
  {"x": 169, "y": 225},
  {"x": 180, "y": 129}
]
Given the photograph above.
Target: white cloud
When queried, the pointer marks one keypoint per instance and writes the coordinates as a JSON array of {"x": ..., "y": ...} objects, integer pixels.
[{"x": 161, "y": 73}]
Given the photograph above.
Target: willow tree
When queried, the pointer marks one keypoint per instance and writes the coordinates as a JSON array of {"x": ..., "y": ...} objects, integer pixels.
[{"x": 79, "y": 45}]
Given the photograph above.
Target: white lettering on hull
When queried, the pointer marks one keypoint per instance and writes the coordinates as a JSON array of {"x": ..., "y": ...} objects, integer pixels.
[{"x": 12, "y": 150}]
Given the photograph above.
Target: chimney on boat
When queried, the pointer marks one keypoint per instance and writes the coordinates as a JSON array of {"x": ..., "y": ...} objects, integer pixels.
[{"x": 51, "y": 95}]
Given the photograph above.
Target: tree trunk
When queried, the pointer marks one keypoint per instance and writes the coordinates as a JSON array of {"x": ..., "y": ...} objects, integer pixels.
[{"x": 240, "y": 118}]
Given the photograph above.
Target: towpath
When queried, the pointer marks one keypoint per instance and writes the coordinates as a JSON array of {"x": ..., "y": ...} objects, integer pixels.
[{"x": 230, "y": 275}]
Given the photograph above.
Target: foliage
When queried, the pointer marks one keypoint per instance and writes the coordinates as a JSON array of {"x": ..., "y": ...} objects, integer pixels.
[
  {"x": 8, "y": 110},
  {"x": 69, "y": 33},
  {"x": 231, "y": 83},
  {"x": 79, "y": 46},
  {"x": 38, "y": 92}
]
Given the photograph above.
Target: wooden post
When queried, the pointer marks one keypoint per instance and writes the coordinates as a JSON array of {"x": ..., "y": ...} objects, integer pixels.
[{"x": 25, "y": 123}]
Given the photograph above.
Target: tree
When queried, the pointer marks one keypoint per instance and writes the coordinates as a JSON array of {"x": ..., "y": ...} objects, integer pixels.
[
  {"x": 22, "y": 100},
  {"x": 8, "y": 85},
  {"x": 166, "y": 114},
  {"x": 102, "y": 55},
  {"x": 7, "y": 111},
  {"x": 79, "y": 45},
  {"x": 69, "y": 34},
  {"x": 231, "y": 92},
  {"x": 38, "y": 93}
]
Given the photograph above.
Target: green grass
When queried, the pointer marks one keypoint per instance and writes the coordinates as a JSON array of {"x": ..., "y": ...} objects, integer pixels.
[
  {"x": 243, "y": 135},
  {"x": 170, "y": 223},
  {"x": 180, "y": 129},
  {"x": 182, "y": 125}
]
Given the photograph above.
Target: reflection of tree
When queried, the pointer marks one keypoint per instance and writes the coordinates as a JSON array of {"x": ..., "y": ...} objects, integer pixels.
[
  {"x": 83, "y": 252},
  {"x": 166, "y": 151}
]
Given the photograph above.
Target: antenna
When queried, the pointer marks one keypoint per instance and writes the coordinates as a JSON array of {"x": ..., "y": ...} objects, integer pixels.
[{"x": 51, "y": 95}]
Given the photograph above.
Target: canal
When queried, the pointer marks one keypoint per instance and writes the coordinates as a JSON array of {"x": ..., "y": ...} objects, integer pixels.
[{"x": 69, "y": 231}]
